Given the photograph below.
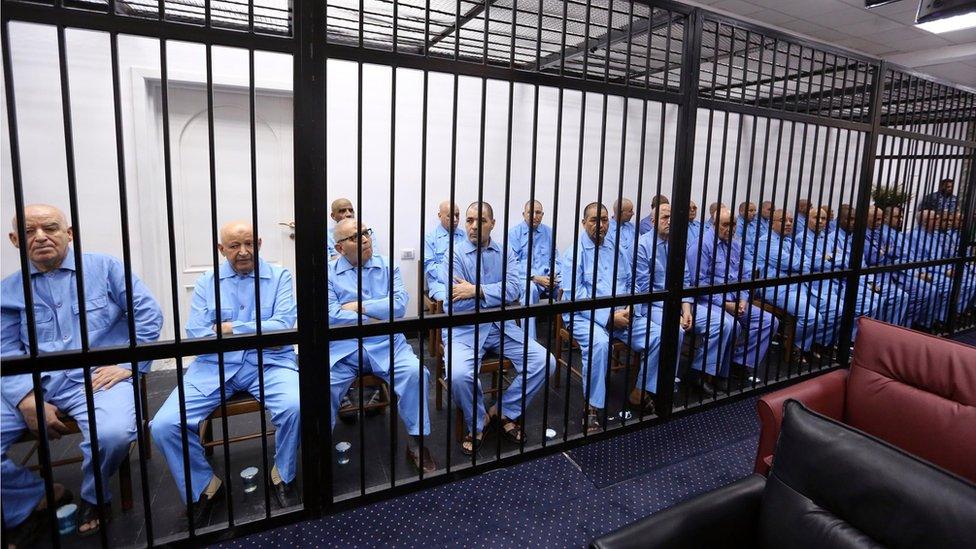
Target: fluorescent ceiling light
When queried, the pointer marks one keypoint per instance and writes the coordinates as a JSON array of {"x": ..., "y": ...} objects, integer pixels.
[{"x": 949, "y": 24}]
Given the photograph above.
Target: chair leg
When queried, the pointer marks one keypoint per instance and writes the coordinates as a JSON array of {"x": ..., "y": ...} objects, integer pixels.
[
  {"x": 125, "y": 483},
  {"x": 439, "y": 385},
  {"x": 559, "y": 360},
  {"x": 207, "y": 436}
]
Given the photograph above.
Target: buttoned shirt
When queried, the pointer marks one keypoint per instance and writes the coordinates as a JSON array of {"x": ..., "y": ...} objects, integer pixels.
[
  {"x": 542, "y": 248},
  {"x": 237, "y": 306},
  {"x": 599, "y": 261},
  {"x": 939, "y": 202},
  {"x": 926, "y": 245},
  {"x": 436, "y": 245},
  {"x": 377, "y": 275},
  {"x": 493, "y": 289},
  {"x": 783, "y": 257},
  {"x": 718, "y": 263},
  {"x": 57, "y": 314},
  {"x": 652, "y": 267},
  {"x": 628, "y": 237}
]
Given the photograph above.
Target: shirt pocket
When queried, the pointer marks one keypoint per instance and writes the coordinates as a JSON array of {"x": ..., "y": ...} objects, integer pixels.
[
  {"x": 98, "y": 312},
  {"x": 45, "y": 326}
]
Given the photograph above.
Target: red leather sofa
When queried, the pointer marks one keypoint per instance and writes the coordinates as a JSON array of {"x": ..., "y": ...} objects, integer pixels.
[{"x": 915, "y": 391}]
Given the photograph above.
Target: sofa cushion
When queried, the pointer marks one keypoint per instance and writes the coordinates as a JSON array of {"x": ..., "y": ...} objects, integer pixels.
[
  {"x": 832, "y": 486},
  {"x": 917, "y": 392}
]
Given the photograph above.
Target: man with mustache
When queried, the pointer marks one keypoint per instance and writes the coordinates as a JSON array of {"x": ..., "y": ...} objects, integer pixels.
[
  {"x": 543, "y": 278},
  {"x": 238, "y": 314},
  {"x": 437, "y": 243},
  {"x": 463, "y": 354},
  {"x": 54, "y": 291}
]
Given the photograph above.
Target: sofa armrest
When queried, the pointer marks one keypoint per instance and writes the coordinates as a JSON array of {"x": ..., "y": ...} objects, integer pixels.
[
  {"x": 823, "y": 394},
  {"x": 727, "y": 517}
]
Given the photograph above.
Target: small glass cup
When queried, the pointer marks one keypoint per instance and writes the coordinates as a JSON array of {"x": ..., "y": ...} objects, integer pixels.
[
  {"x": 550, "y": 434},
  {"x": 249, "y": 477},
  {"x": 342, "y": 452}
]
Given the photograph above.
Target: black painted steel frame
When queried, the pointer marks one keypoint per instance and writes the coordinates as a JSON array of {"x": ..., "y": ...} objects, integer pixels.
[{"x": 311, "y": 48}]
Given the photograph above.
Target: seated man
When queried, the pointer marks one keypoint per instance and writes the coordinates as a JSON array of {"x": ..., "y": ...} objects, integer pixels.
[
  {"x": 694, "y": 224},
  {"x": 464, "y": 355},
  {"x": 543, "y": 269},
  {"x": 436, "y": 246},
  {"x": 356, "y": 256},
  {"x": 647, "y": 224},
  {"x": 889, "y": 245},
  {"x": 719, "y": 262},
  {"x": 57, "y": 324},
  {"x": 925, "y": 243},
  {"x": 941, "y": 200},
  {"x": 593, "y": 330},
  {"x": 341, "y": 209},
  {"x": 780, "y": 256},
  {"x": 878, "y": 292},
  {"x": 747, "y": 231},
  {"x": 201, "y": 381},
  {"x": 800, "y": 222},
  {"x": 827, "y": 295},
  {"x": 717, "y": 331},
  {"x": 623, "y": 212}
]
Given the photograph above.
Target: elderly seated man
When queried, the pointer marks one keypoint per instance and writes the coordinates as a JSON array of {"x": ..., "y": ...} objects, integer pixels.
[
  {"x": 543, "y": 270},
  {"x": 54, "y": 290},
  {"x": 237, "y": 314},
  {"x": 749, "y": 328},
  {"x": 623, "y": 213},
  {"x": 437, "y": 244},
  {"x": 926, "y": 243},
  {"x": 781, "y": 256},
  {"x": 593, "y": 330},
  {"x": 350, "y": 303},
  {"x": 463, "y": 354}
]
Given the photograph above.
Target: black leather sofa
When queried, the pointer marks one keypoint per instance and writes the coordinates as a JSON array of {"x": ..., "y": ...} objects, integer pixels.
[{"x": 830, "y": 486}]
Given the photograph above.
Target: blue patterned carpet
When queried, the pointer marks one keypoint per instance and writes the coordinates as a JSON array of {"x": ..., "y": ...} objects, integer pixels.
[{"x": 557, "y": 501}]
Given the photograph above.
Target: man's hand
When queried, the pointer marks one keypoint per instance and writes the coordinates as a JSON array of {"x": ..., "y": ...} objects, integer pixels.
[
  {"x": 351, "y": 306},
  {"x": 544, "y": 281},
  {"x": 463, "y": 289},
  {"x": 731, "y": 307},
  {"x": 876, "y": 288},
  {"x": 743, "y": 307},
  {"x": 925, "y": 277},
  {"x": 949, "y": 272},
  {"x": 226, "y": 328},
  {"x": 686, "y": 317},
  {"x": 105, "y": 377},
  {"x": 55, "y": 428},
  {"x": 621, "y": 318}
]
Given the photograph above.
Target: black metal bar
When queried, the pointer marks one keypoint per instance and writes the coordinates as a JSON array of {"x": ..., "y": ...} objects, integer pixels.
[
  {"x": 310, "y": 232},
  {"x": 863, "y": 200},
  {"x": 474, "y": 12}
]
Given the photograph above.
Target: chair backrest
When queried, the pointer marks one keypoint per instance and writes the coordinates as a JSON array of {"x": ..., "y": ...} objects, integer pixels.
[
  {"x": 916, "y": 391},
  {"x": 832, "y": 486}
]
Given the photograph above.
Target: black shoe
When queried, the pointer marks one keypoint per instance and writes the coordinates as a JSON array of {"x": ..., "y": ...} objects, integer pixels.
[
  {"x": 88, "y": 513},
  {"x": 200, "y": 509},
  {"x": 348, "y": 412},
  {"x": 287, "y": 495},
  {"x": 707, "y": 388},
  {"x": 27, "y": 532},
  {"x": 591, "y": 421}
]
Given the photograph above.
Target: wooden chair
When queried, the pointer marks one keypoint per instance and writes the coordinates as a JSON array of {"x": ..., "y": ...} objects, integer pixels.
[
  {"x": 490, "y": 364},
  {"x": 565, "y": 343},
  {"x": 243, "y": 403},
  {"x": 125, "y": 468},
  {"x": 787, "y": 325}
]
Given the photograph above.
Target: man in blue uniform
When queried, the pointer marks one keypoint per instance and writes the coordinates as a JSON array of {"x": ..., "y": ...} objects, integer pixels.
[
  {"x": 436, "y": 246},
  {"x": 888, "y": 245},
  {"x": 57, "y": 323},
  {"x": 357, "y": 260},
  {"x": 719, "y": 262},
  {"x": 543, "y": 251},
  {"x": 463, "y": 354},
  {"x": 647, "y": 224},
  {"x": 594, "y": 277},
  {"x": 623, "y": 213},
  {"x": 238, "y": 314},
  {"x": 800, "y": 223},
  {"x": 780, "y": 256},
  {"x": 926, "y": 243},
  {"x": 827, "y": 295}
]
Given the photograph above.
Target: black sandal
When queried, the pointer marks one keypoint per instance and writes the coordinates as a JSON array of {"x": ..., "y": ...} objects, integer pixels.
[
  {"x": 88, "y": 513},
  {"x": 511, "y": 429},
  {"x": 473, "y": 444}
]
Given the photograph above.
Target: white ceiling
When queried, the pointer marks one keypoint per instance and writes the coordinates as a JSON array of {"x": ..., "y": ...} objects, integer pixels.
[{"x": 888, "y": 31}]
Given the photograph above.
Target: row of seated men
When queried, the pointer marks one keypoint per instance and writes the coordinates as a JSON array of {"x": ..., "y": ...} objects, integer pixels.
[{"x": 54, "y": 288}]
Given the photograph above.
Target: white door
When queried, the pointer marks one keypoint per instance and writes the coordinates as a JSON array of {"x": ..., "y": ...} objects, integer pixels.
[{"x": 191, "y": 183}]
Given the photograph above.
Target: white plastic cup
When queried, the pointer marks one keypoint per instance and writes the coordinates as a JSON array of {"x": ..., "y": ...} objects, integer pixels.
[
  {"x": 67, "y": 519},
  {"x": 249, "y": 477},
  {"x": 342, "y": 452}
]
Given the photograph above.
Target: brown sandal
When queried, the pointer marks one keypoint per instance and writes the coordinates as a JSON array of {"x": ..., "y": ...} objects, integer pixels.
[
  {"x": 511, "y": 429},
  {"x": 470, "y": 444}
]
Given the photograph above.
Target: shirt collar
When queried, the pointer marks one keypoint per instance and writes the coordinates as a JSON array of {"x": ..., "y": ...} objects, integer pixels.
[
  {"x": 467, "y": 246},
  {"x": 226, "y": 271},
  {"x": 343, "y": 264},
  {"x": 67, "y": 264}
]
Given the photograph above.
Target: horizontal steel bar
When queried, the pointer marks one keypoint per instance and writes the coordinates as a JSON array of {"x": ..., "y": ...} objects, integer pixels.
[
  {"x": 502, "y": 73},
  {"x": 72, "y": 18},
  {"x": 905, "y": 134},
  {"x": 765, "y": 112}
]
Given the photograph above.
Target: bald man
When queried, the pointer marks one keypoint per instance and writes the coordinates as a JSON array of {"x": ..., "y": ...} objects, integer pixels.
[
  {"x": 541, "y": 267},
  {"x": 436, "y": 245},
  {"x": 800, "y": 222},
  {"x": 54, "y": 291},
  {"x": 623, "y": 213},
  {"x": 201, "y": 382},
  {"x": 341, "y": 208}
]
